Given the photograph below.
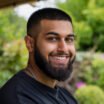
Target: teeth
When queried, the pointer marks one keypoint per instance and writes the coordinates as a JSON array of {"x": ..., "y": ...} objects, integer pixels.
[{"x": 60, "y": 58}]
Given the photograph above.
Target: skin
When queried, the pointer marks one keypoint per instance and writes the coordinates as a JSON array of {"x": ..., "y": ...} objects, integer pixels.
[{"x": 55, "y": 36}]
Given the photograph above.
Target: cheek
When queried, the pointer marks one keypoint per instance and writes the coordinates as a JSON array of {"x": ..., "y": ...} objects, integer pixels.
[
  {"x": 46, "y": 49},
  {"x": 72, "y": 50}
]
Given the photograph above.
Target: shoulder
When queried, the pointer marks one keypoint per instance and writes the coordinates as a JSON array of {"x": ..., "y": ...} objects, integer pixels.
[{"x": 8, "y": 93}]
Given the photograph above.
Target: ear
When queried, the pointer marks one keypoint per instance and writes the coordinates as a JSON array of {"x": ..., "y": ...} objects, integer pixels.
[{"x": 29, "y": 43}]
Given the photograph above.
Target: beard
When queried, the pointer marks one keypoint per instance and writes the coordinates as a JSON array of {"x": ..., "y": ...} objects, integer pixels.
[{"x": 57, "y": 73}]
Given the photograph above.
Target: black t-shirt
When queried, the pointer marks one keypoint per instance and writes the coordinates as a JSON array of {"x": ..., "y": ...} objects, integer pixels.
[{"x": 22, "y": 89}]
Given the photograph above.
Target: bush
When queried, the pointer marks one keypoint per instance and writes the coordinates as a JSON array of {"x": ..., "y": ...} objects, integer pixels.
[
  {"x": 98, "y": 70},
  {"x": 13, "y": 59},
  {"x": 91, "y": 69},
  {"x": 90, "y": 95}
]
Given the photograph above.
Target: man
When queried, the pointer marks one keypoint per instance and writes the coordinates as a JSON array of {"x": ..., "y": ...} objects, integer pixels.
[{"x": 50, "y": 43}]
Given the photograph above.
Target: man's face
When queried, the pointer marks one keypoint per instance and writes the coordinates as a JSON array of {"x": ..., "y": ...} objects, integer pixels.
[{"x": 54, "y": 49}]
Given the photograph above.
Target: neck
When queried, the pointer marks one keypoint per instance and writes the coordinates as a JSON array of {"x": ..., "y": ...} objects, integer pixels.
[{"x": 34, "y": 72}]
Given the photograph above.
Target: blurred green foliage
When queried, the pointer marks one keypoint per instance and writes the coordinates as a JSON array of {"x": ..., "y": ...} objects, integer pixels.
[
  {"x": 13, "y": 59},
  {"x": 12, "y": 49},
  {"x": 91, "y": 69},
  {"x": 88, "y": 17},
  {"x": 90, "y": 95},
  {"x": 11, "y": 25}
]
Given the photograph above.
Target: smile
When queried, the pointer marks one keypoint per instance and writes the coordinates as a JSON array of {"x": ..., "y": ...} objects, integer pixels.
[{"x": 59, "y": 60}]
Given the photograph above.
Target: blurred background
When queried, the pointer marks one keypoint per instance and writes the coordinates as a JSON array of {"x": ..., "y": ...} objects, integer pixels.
[{"x": 87, "y": 80}]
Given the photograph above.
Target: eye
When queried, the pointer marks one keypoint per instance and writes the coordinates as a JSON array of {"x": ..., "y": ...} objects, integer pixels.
[
  {"x": 52, "y": 39},
  {"x": 70, "y": 39}
]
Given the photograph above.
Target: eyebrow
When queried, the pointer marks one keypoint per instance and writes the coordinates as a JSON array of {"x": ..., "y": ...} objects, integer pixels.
[
  {"x": 52, "y": 33},
  {"x": 56, "y": 34}
]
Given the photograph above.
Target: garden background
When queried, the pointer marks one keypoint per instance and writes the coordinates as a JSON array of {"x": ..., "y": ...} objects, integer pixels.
[{"x": 87, "y": 81}]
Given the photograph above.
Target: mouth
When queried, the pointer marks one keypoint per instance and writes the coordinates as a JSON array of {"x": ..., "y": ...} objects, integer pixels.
[{"x": 59, "y": 60}]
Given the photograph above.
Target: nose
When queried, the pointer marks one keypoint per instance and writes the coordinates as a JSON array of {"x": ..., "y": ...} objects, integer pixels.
[{"x": 62, "y": 46}]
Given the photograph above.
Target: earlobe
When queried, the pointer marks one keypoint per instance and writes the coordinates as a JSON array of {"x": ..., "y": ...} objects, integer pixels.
[{"x": 29, "y": 43}]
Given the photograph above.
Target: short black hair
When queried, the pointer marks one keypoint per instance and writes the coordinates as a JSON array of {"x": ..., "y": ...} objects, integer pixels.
[{"x": 45, "y": 13}]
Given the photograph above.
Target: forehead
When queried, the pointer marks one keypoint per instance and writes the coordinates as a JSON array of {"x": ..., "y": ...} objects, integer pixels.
[{"x": 58, "y": 26}]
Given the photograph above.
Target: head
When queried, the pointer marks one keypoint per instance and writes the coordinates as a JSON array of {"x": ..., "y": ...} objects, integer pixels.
[{"x": 50, "y": 40}]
